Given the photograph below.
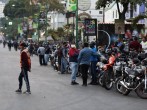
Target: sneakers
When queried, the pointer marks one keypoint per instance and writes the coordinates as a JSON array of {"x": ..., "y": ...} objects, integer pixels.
[
  {"x": 18, "y": 91},
  {"x": 27, "y": 92},
  {"x": 74, "y": 83}
]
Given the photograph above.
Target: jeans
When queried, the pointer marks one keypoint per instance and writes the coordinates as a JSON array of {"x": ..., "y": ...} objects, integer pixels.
[
  {"x": 63, "y": 65},
  {"x": 93, "y": 71},
  {"x": 24, "y": 74},
  {"x": 74, "y": 69},
  {"x": 46, "y": 57},
  {"x": 41, "y": 60},
  {"x": 84, "y": 71}
]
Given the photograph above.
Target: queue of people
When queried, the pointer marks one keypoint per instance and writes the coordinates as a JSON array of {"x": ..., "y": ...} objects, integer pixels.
[{"x": 68, "y": 56}]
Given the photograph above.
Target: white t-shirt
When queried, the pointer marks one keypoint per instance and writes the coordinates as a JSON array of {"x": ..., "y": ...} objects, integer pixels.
[{"x": 144, "y": 46}]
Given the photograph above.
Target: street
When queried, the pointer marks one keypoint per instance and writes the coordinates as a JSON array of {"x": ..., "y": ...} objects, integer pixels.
[{"x": 52, "y": 91}]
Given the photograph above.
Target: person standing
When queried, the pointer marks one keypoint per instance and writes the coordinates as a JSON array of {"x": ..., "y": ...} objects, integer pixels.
[
  {"x": 25, "y": 63},
  {"x": 84, "y": 61},
  {"x": 47, "y": 52},
  {"x": 9, "y": 45},
  {"x": 73, "y": 59},
  {"x": 15, "y": 43},
  {"x": 144, "y": 44},
  {"x": 41, "y": 52},
  {"x": 31, "y": 48},
  {"x": 64, "y": 57},
  {"x": 93, "y": 63}
]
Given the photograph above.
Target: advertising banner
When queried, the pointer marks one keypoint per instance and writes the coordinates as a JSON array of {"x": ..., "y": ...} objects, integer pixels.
[
  {"x": 90, "y": 27},
  {"x": 71, "y": 5}
]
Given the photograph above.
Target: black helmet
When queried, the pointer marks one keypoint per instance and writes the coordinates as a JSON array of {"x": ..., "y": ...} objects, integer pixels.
[
  {"x": 109, "y": 52},
  {"x": 144, "y": 62},
  {"x": 136, "y": 61},
  {"x": 141, "y": 56}
]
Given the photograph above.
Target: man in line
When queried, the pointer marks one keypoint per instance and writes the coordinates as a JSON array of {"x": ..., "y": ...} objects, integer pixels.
[
  {"x": 73, "y": 59},
  {"x": 64, "y": 58},
  {"x": 25, "y": 63},
  {"x": 41, "y": 53},
  {"x": 93, "y": 60},
  {"x": 84, "y": 61}
]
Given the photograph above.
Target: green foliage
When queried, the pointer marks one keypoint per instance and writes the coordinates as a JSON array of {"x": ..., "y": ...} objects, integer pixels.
[
  {"x": 23, "y": 8},
  {"x": 10, "y": 30}
]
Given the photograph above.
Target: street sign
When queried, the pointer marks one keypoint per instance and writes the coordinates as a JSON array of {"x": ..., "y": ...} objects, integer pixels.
[{"x": 90, "y": 27}]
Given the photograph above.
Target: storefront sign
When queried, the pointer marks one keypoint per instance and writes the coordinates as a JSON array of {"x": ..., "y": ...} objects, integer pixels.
[{"x": 90, "y": 27}]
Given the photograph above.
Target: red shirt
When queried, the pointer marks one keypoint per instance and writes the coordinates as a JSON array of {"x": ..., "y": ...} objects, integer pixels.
[
  {"x": 25, "y": 61},
  {"x": 135, "y": 45}
]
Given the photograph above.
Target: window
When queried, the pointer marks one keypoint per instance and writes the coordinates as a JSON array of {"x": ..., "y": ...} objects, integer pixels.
[{"x": 100, "y": 12}]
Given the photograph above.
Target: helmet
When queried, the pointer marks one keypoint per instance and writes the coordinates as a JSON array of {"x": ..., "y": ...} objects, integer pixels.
[
  {"x": 141, "y": 56},
  {"x": 109, "y": 52},
  {"x": 115, "y": 49},
  {"x": 136, "y": 61},
  {"x": 144, "y": 62}
]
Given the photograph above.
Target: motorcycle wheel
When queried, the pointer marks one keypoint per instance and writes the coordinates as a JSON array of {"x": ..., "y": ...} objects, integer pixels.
[
  {"x": 107, "y": 82},
  {"x": 100, "y": 79},
  {"x": 120, "y": 88},
  {"x": 140, "y": 91}
]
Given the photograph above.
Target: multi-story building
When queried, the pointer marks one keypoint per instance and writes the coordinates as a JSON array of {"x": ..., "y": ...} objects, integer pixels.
[
  {"x": 2, "y": 5},
  {"x": 59, "y": 20},
  {"x": 111, "y": 12}
]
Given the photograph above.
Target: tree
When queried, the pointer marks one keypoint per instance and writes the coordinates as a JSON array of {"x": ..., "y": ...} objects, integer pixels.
[
  {"x": 124, "y": 3},
  {"x": 25, "y": 8}
]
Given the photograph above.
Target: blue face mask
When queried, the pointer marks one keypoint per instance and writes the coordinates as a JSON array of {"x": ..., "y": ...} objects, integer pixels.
[{"x": 119, "y": 44}]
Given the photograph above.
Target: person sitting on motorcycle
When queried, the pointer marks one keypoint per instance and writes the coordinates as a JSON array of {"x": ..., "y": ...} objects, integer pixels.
[{"x": 111, "y": 60}]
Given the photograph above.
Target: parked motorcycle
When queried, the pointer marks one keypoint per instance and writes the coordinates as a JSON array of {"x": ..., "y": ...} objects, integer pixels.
[{"x": 134, "y": 78}]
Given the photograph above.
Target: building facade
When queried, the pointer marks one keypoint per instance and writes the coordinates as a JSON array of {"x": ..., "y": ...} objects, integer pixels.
[
  {"x": 111, "y": 12},
  {"x": 2, "y": 5},
  {"x": 59, "y": 20}
]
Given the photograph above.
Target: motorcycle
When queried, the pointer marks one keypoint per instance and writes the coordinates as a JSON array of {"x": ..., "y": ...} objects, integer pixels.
[
  {"x": 134, "y": 78},
  {"x": 108, "y": 76}
]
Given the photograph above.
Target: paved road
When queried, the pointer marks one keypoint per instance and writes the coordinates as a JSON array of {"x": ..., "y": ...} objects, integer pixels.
[{"x": 52, "y": 91}]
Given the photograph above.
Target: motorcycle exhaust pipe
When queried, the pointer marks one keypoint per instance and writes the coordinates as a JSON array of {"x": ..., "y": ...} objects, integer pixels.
[{"x": 123, "y": 84}]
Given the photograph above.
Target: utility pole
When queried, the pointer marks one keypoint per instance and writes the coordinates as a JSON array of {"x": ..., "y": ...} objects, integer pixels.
[{"x": 77, "y": 24}]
